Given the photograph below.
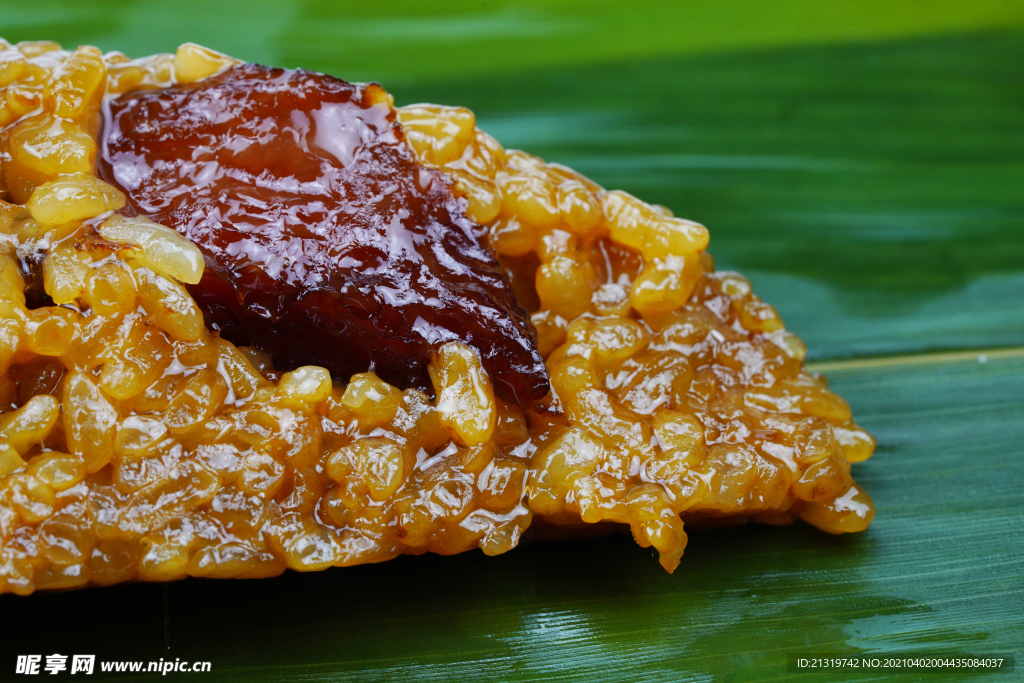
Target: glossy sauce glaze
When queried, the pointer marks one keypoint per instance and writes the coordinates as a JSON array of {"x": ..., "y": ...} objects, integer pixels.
[{"x": 326, "y": 242}]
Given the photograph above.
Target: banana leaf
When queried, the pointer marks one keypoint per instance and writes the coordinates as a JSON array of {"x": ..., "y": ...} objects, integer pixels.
[{"x": 861, "y": 162}]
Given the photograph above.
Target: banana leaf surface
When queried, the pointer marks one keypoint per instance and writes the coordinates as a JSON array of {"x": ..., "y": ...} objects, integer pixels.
[{"x": 862, "y": 163}]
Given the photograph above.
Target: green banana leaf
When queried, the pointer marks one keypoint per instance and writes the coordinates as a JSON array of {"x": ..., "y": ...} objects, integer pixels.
[{"x": 861, "y": 162}]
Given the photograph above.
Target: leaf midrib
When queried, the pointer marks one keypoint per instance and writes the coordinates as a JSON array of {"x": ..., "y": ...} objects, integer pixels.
[{"x": 980, "y": 355}]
